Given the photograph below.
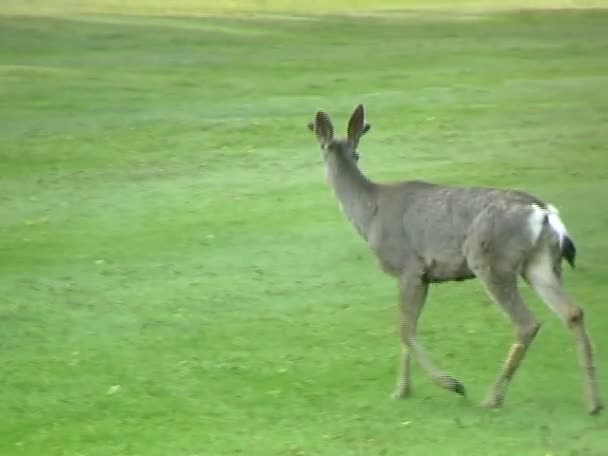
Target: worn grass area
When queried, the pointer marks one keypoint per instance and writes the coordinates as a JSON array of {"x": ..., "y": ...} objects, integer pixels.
[{"x": 175, "y": 277}]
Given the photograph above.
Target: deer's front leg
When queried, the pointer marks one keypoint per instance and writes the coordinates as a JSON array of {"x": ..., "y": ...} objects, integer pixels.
[
  {"x": 413, "y": 292},
  {"x": 403, "y": 388}
]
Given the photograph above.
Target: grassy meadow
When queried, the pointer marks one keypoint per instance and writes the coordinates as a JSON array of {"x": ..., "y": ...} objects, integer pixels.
[{"x": 176, "y": 277}]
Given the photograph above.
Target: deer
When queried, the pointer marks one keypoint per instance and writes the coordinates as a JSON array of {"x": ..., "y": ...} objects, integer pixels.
[{"x": 423, "y": 233}]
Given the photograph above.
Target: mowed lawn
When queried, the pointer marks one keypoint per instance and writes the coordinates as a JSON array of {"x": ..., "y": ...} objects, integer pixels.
[{"x": 176, "y": 277}]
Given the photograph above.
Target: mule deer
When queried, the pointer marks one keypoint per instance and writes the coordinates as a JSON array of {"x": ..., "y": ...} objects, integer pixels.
[{"x": 422, "y": 233}]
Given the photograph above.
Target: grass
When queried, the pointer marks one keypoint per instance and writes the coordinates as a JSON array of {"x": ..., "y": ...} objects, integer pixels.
[
  {"x": 223, "y": 7},
  {"x": 176, "y": 279}
]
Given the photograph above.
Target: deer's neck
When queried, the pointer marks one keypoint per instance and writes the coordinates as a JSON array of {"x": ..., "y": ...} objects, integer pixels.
[{"x": 356, "y": 194}]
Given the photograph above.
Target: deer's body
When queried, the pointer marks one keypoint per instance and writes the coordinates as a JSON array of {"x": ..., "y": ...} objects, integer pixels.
[
  {"x": 423, "y": 233},
  {"x": 432, "y": 228}
]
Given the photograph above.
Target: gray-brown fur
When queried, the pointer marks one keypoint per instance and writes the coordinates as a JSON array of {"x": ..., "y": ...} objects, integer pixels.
[{"x": 422, "y": 233}]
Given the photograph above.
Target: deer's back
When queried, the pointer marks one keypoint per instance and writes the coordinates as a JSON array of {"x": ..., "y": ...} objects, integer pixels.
[{"x": 427, "y": 226}]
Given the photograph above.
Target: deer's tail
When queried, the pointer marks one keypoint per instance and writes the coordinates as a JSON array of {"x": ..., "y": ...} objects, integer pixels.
[{"x": 549, "y": 216}]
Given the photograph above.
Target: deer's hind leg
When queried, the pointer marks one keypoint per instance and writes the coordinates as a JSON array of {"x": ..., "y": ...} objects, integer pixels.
[
  {"x": 543, "y": 274},
  {"x": 496, "y": 249},
  {"x": 502, "y": 287}
]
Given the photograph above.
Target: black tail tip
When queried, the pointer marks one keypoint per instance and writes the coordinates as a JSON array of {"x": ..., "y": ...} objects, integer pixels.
[{"x": 569, "y": 251}]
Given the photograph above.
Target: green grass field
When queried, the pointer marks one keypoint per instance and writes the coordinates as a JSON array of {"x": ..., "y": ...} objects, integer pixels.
[{"x": 176, "y": 277}]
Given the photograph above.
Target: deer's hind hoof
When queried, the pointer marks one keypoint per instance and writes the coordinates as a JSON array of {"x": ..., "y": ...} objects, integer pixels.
[
  {"x": 492, "y": 402},
  {"x": 596, "y": 409}
]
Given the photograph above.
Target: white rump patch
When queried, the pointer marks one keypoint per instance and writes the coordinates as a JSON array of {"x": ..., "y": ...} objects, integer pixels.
[
  {"x": 556, "y": 223},
  {"x": 537, "y": 220}
]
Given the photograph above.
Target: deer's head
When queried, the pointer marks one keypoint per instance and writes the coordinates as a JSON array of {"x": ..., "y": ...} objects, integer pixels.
[{"x": 345, "y": 148}]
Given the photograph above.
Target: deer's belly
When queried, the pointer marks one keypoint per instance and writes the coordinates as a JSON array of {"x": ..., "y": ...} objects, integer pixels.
[{"x": 445, "y": 270}]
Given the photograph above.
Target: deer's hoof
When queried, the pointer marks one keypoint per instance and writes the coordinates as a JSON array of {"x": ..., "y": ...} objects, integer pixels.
[
  {"x": 401, "y": 393},
  {"x": 451, "y": 384},
  {"x": 492, "y": 402},
  {"x": 459, "y": 388},
  {"x": 596, "y": 409}
]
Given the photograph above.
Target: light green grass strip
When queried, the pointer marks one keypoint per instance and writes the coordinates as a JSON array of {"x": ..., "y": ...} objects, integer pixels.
[{"x": 204, "y": 7}]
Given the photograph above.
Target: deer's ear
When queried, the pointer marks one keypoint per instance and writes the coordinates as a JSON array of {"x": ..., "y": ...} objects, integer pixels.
[
  {"x": 323, "y": 128},
  {"x": 356, "y": 125}
]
